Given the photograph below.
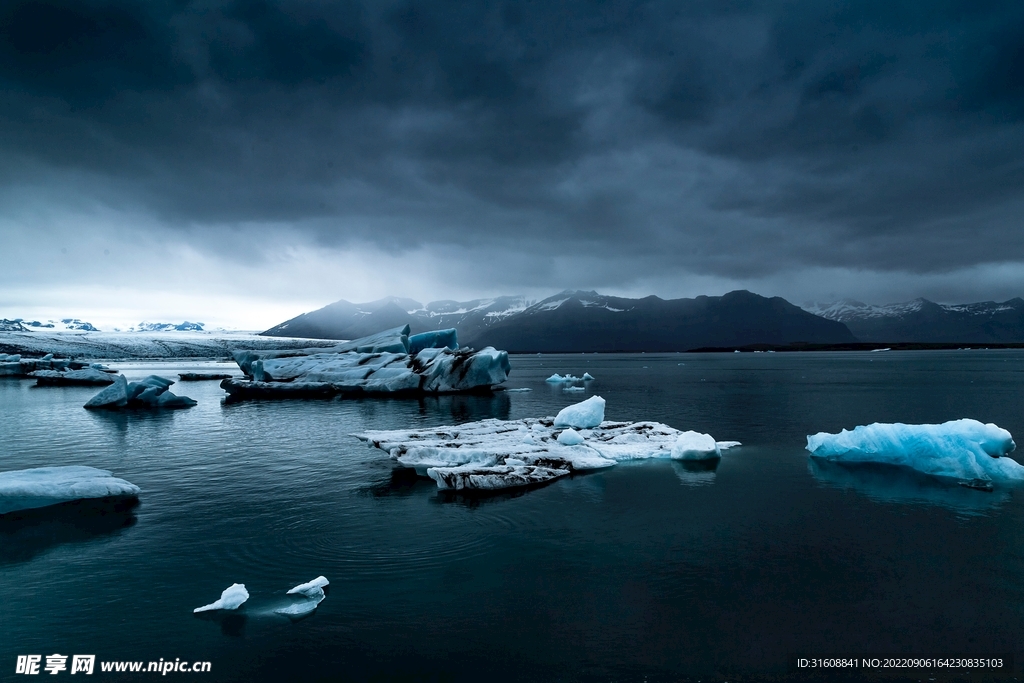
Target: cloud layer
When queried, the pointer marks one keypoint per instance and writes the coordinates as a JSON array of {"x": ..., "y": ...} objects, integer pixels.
[{"x": 802, "y": 148}]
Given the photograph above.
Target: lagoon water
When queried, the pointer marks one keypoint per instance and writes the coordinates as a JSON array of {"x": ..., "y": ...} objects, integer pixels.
[{"x": 646, "y": 571}]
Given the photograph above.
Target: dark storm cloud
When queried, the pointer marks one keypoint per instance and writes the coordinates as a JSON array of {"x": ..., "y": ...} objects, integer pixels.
[{"x": 722, "y": 137}]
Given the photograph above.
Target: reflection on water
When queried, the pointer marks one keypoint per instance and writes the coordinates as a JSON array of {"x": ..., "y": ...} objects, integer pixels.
[
  {"x": 28, "y": 533},
  {"x": 696, "y": 472},
  {"x": 232, "y": 622},
  {"x": 892, "y": 484}
]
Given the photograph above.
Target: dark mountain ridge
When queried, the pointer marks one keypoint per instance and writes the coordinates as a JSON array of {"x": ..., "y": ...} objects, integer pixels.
[{"x": 578, "y": 321}]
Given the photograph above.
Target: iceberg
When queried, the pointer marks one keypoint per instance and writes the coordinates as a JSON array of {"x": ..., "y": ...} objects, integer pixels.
[
  {"x": 695, "y": 446},
  {"x": 149, "y": 393},
  {"x": 436, "y": 339},
  {"x": 589, "y": 413},
  {"x": 202, "y": 376},
  {"x": 43, "y": 486},
  {"x": 499, "y": 454},
  {"x": 385, "y": 363},
  {"x": 966, "y": 450},
  {"x": 232, "y": 598},
  {"x": 559, "y": 379},
  {"x": 86, "y": 376},
  {"x": 587, "y": 377}
]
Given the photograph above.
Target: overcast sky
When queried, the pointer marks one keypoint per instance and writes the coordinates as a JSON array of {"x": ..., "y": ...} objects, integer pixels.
[{"x": 243, "y": 162}]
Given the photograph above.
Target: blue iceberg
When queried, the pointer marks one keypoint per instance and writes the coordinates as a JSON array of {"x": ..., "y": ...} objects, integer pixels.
[{"x": 967, "y": 450}]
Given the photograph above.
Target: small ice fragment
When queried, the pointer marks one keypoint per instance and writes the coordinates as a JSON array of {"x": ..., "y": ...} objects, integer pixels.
[
  {"x": 724, "y": 445},
  {"x": 310, "y": 587},
  {"x": 574, "y": 389},
  {"x": 570, "y": 437},
  {"x": 555, "y": 379},
  {"x": 232, "y": 598},
  {"x": 587, "y": 377},
  {"x": 695, "y": 446},
  {"x": 300, "y": 609},
  {"x": 589, "y": 413}
]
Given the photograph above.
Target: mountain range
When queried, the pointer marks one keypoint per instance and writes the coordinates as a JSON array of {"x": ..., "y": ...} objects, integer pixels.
[
  {"x": 921, "y": 320},
  {"x": 578, "y": 321}
]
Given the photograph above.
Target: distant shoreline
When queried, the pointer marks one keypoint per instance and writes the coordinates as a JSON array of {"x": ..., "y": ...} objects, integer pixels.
[{"x": 862, "y": 346}]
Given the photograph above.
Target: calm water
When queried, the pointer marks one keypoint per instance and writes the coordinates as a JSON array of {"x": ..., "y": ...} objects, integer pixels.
[{"x": 646, "y": 571}]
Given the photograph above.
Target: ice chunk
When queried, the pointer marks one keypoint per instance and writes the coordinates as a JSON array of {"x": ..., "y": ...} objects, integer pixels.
[
  {"x": 43, "y": 486},
  {"x": 431, "y": 370},
  {"x": 394, "y": 340},
  {"x": 465, "y": 456},
  {"x": 149, "y": 393},
  {"x": 725, "y": 445},
  {"x": 310, "y": 586},
  {"x": 695, "y": 446},
  {"x": 559, "y": 379},
  {"x": 232, "y": 598},
  {"x": 86, "y": 376},
  {"x": 114, "y": 396},
  {"x": 470, "y": 477},
  {"x": 570, "y": 437},
  {"x": 313, "y": 597},
  {"x": 436, "y": 339},
  {"x": 587, "y": 377},
  {"x": 589, "y": 413},
  {"x": 962, "y": 449},
  {"x": 573, "y": 389}
]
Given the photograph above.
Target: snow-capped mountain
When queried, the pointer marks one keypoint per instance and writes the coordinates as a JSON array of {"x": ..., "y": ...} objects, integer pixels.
[
  {"x": 345, "y": 320},
  {"x": 146, "y": 326},
  {"x": 921, "y": 320},
  {"x": 574, "y": 321},
  {"x": 62, "y": 325}
]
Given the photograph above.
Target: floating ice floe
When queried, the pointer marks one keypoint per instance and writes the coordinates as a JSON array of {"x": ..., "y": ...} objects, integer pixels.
[
  {"x": 559, "y": 379},
  {"x": 16, "y": 365},
  {"x": 390, "y": 362},
  {"x": 309, "y": 587},
  {"x": 202, "y": 376},
  {"x": 966, "y": 449},
  {"x": 312, "y": 594},
  {"x": 86, "y": 376},
  {"x": 574, "y": 389},
  {"x": 149, "y": 393},
  {"x": 43, "y": 486},
  {"x": 587, "y": 377},
  {"x": 232, "y": 598},
  {"x": 500, "y": 454}
]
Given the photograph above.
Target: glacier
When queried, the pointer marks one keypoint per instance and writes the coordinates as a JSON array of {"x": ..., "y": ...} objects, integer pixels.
[
  {"x": 149, "y": 393},
  {"x": 43, "y": 486},
  {"x": 232, "y": 598},
  {"x": 966, "y": 450},
  {"x": 389, "y": 362},
  {"x": 497, "y": 454}
]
